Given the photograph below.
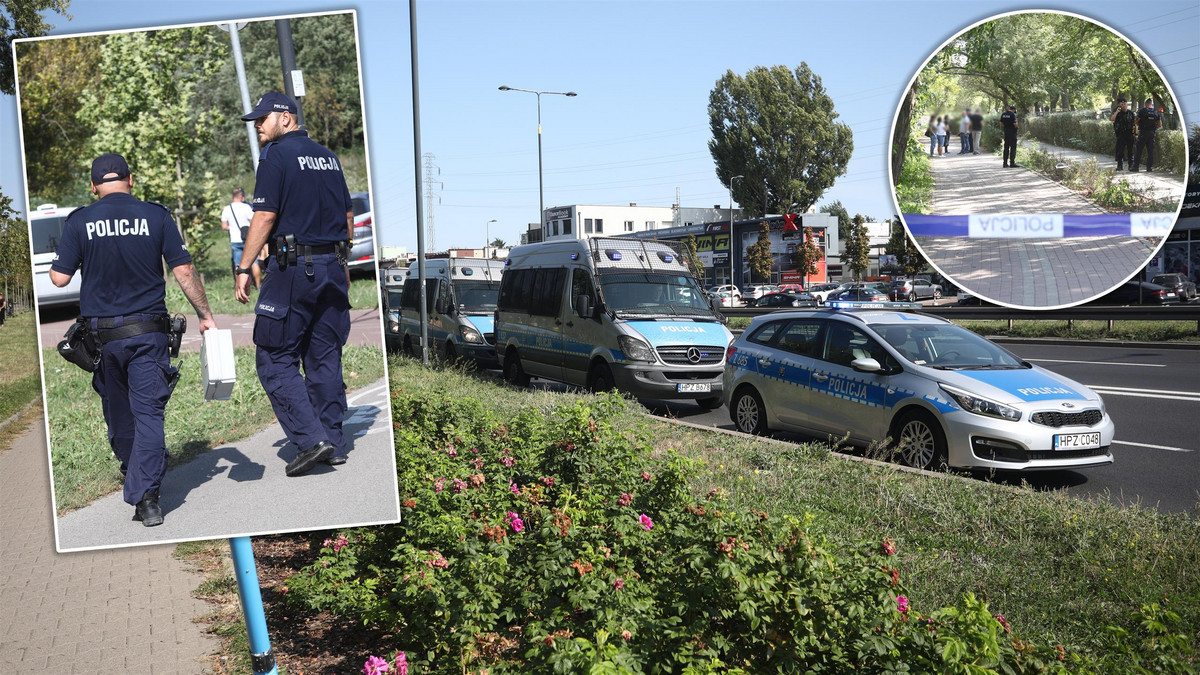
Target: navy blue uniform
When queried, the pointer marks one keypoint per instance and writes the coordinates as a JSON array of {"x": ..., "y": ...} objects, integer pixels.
[
  {"x": 303, "y": 310},
  {"x": 1008, "y": 119},
  {"x": 1123, "y": 128},
  {"x": 120, "y": 243},
  {"x": 1148, "y": 120}
]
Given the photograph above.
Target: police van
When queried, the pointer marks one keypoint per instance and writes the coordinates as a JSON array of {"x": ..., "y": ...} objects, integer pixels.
[
  {"x": 944, "y": 395},
  {"x": 460, "y": 297},
  {"x": 610, "y": 313},
  {"x": 392, "y": 288},
  {"x": 45, "y": 227}
]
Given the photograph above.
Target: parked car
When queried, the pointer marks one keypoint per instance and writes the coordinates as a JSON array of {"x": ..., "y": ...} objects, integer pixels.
[
  {"x": 46, "y": 225},
  {"x": 1184, "y": 288},
  {"x": 914, "y": 289},
  {"x": 784, "y": 300},
  {"x": 362, "y": 254},
  {"x": 790, "y": 288},
  {"x": 758, "y": 290},
  {"x": 1135, "y": 292},
  {"x": 729, "y": 296},
  {"x": 822, "y": 291},
  {"x": 943, "y": 395},
  {"x": 859, "y": 294}
]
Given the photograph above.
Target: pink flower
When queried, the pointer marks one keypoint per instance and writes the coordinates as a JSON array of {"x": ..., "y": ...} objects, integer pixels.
[
  {"x": 475, "y": 450},
  {"x": 515, "y": 522},
  {"x": 902, "y": 604},
  {"x": 514, "y": 489},
  {"x": 548, "y": 481},
  {"x": 438, "y": 560},
  {"x": 1003, "y": 622},
  {"x": 478, "y": 462},
  {"x": 711, "y": 493},
  {"x": 452, "y": 452},
  {"x": 618, "y": 583},
  {"x": 646, "y": 522},
  {"x": 375, "y": 666},
  {"x": 459, "y": 485},
  {"x": 507, "y": 461},
  {"x": 401, "y": 663},
  {"x": 326, "y": 543},
  {"x": 340, "y": 543},
  {"x": 646, "y": 476},
  {"x": 625, "y": 499},
  {"x": 889, "y": 547},
  {"x": 439, "y": 485}
]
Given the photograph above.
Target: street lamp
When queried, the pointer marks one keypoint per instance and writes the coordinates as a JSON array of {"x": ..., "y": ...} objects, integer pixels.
[
  {"x": 541, "y": 195},
  {"x": 731, "y": 237},
  {"x": 487, "y": 237}
]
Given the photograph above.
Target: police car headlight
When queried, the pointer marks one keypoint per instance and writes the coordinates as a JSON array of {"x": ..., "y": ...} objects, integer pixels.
[
  {"x": 981, "y": 406},
  {"x": 635, "y": 349},
  {"x": 469, "y": 334}
]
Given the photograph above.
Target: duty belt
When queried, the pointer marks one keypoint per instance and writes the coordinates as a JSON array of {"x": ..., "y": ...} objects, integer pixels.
[
  {"x": 107, "y": 329},
  {"x": 305, "y": 250}
]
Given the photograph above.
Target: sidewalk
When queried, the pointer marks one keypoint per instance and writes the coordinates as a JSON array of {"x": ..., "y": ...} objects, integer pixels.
[
  {"x": 125, "y": 610},
  {"x": 1154, "y": 185},
  {"x": 1030, "y": 273}
]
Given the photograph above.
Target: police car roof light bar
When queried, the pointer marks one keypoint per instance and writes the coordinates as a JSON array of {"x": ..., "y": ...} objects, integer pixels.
[{"x": 857, "y": 304}]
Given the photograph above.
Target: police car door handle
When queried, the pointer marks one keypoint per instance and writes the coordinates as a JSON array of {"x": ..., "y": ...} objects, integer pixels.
[{"x": 819, "y": 377}]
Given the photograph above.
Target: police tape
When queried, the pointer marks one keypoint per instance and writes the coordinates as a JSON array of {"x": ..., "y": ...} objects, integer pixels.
[{"x": 1040, "y": 225}]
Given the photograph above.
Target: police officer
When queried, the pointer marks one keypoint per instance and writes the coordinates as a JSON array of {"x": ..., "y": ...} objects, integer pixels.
[
  {"x": 1148, "y": 123},
  {"x": 1123, "y": 119},
  {"x": 1008, "y": 120},
  {"x": 120, "y": 244},
  {"x": 302, "y": 210}
]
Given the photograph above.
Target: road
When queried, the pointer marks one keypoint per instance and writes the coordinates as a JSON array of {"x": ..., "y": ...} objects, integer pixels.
[{"x": 1153, "y": 396}]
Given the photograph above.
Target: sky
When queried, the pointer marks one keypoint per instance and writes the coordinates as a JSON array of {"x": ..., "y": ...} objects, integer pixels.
[{"x": 638, "y": 129}]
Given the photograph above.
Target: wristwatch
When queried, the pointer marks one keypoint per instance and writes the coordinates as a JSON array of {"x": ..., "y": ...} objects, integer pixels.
[{"x": 242, "y": 270}]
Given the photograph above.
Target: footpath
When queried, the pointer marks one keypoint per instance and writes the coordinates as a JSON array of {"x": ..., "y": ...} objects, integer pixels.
[
  {"x": 1031, "y": 273},
  {"x": 1151, "y": 184},
  {"x": 126, "y": 610}
]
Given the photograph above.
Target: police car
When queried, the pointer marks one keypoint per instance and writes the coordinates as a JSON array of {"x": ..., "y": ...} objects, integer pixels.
[{"x": 944, "y": 395}]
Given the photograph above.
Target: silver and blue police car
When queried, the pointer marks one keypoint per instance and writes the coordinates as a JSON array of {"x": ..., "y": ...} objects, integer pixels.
[{"x": 944, "y": 395}]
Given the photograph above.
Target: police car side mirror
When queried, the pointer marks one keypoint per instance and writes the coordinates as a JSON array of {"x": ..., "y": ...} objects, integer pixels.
[
  {"x": 583, "y": 306},
  {"x": 867, "y": 365}
]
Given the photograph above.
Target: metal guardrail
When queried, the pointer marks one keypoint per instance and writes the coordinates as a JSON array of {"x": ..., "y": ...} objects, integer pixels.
[{"x": 1188, "y": 312}]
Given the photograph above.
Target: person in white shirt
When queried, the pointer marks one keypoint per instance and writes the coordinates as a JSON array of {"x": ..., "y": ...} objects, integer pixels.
[
  {"x": 964, "y": 133},
  {"x": 235, "y": 218}
]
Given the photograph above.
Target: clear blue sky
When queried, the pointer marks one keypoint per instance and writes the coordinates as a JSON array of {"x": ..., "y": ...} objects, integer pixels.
[{"x": 643, "y": 71}]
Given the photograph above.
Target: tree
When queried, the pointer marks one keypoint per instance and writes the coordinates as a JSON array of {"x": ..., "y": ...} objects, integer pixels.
[
  {"x": 498, "y": 243},
  {"x": 807, "y": 255},
  {"x": 776, "y": 126},
  {"x": 759, "y": 254},
  {"x": 692, "y": 258},
  {"x": 857, "y": 256},
  {"x": 908, "y": 256},
  {"x": 835, "y": 208},
  {"x": 21, "y": 19},
  {"x": 15, "y": 272}
]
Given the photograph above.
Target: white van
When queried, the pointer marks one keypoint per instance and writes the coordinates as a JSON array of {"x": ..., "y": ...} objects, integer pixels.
[
  {"x": 460, "y": 299},
  {"x": 604, "y": 313},
  {"x": 45, "y": 228}
]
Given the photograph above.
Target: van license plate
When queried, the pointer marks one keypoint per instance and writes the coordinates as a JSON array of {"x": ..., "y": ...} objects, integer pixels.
[
  {"x": 692, "y": 387},
  {"x": 1077, "y": 441}
]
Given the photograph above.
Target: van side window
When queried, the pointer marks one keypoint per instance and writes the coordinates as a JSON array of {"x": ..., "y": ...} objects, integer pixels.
[
  {"x": 412, "y": 294},
  {"x": 581, "y": 284},
  {"x": 546, "y": 296},
  {"x": 514, "y": 291}
]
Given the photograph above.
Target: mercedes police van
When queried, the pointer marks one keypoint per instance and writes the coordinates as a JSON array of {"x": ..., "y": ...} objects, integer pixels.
[
  {"x": 604, "y": 313},
  {"x": 392, "y": 289},
  {"x": 460, "y": 297},
  {"x": 46, "y": 226},
  {"x": 944, "y": 395}
]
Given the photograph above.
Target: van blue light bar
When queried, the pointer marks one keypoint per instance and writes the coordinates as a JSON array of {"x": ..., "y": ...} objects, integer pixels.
[
  {"x": 1040, "y": 225},
  {"x": 852, "y": 304}
]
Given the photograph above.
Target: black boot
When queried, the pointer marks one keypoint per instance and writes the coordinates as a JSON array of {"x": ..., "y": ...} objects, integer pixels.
[
  {"x": 306, "y": 460},
  {"x": 147, "y": 510}
]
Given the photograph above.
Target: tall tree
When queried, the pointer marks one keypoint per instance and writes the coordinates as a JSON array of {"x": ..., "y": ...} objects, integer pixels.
[
  {"x": 835, "y": 208},
  {"x": 857, "y": 255},
  {"x": 807, "y": 255},
  {"x": 900, "y": 245},
  {"x": 21, "y": 19},
  {"x": 759, "y": 254},
  {"x": 692, "y": 257},
  {"x": 777, "y": 126}
]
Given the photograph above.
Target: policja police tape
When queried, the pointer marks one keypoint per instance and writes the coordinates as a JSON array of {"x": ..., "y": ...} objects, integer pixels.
[{"x": 1041, "y": 225}]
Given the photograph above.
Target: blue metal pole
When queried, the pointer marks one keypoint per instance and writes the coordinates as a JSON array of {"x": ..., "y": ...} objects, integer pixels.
[{"x": 261, "y": 658}]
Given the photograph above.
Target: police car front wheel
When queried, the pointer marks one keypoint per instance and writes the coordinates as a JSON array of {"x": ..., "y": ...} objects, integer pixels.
[
  {"x": 748, "y": 412},
  {"x": 920, "y": 441}
]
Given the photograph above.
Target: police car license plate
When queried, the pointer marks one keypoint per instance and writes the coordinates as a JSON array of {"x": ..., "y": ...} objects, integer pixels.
[
  {"x": 693, "y": 387},
  {"x": 1077, "y": 441}
]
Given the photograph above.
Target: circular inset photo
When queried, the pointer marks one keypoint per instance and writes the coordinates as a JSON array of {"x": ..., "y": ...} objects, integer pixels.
[{"x": 1038, "y": 159}]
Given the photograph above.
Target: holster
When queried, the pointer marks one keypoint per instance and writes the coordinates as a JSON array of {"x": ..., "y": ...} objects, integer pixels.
[
  {"x": 175, "y": 331},
  {"x": 81, "y": 346},
  {"x": 343, "y": 253},
  {"x": 285, "y": 250}
]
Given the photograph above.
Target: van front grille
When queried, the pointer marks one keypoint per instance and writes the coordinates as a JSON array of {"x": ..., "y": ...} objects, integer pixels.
[{"x": 691, "y": 355}]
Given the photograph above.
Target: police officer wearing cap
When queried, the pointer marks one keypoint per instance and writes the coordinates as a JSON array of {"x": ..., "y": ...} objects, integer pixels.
[
  {"x": 1123, "y": 120},
  {"x": 119, "y": 243},
  {"x": 302, "y": 210},
  {"x": 1008, "y": 120},
  {"x": 1149, "y": 121}
]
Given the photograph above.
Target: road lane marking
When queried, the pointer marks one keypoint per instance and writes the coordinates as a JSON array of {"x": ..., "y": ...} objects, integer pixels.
[
  {"x": 1154, "y": 447},
  {"x": 1101, "y": 363},
  {"x": 1146, "y": 393}
]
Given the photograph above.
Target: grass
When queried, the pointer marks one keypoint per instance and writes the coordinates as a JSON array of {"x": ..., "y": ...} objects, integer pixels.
[
  {"x": 1087, "y": 179},
  {"x": 83, "y": 466},
  {"x": 1054, "y": 565},
  {"x": 219, "y": 589},
  {"x": 20, "y": 377},
  {"x": 1138, "y": 331}
]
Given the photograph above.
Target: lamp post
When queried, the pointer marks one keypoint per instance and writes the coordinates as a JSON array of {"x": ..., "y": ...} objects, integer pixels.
[
  {"x": 541, "y": 194},
  {"x": 731, "y": 237},
  {"x": 487, "y": 237}
]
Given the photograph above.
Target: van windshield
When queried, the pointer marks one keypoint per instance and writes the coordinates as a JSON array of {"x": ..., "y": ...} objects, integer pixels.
[
  {"x": 46, "y": 233},
  {"x": 643, "y": 293},
  {"x": 476, "y": 296}
]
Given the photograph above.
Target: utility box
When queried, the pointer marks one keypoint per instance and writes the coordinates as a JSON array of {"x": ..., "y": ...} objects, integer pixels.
[{"x": 217, "y": 365}]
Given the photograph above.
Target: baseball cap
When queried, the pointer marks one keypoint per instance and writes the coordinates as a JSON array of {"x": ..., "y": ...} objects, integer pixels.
[
  {"x": 272, "y": 101},
  {"x": 106, "y": 164},
  {"x": 1120, "y": 99}
]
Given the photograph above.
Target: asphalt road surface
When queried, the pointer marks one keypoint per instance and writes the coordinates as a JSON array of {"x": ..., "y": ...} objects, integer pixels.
[{"x": 1153, "y": 396}]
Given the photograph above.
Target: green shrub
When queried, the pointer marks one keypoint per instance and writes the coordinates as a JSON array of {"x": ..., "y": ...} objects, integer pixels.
[
  {"x": 1082, "y": 131},
  {"x": 914, "y": 189},
  {"x": 551, "y": 541}
]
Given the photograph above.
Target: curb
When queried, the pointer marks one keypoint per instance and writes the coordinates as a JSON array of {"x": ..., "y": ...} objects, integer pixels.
[{"x": 17, "y": 415}]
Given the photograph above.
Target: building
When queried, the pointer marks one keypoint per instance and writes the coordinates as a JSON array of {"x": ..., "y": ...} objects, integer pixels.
[
  {"x": 1181, "y": 252},
  {"x": 580, "y": 221}
]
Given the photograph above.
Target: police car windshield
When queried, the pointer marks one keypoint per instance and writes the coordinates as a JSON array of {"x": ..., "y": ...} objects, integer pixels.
[
  {"x": 644, "y": 293},
  {"x": 46, "y": 233},
  {"x": 476, "y": 296},
  {"x": 946, "y": 347}
]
